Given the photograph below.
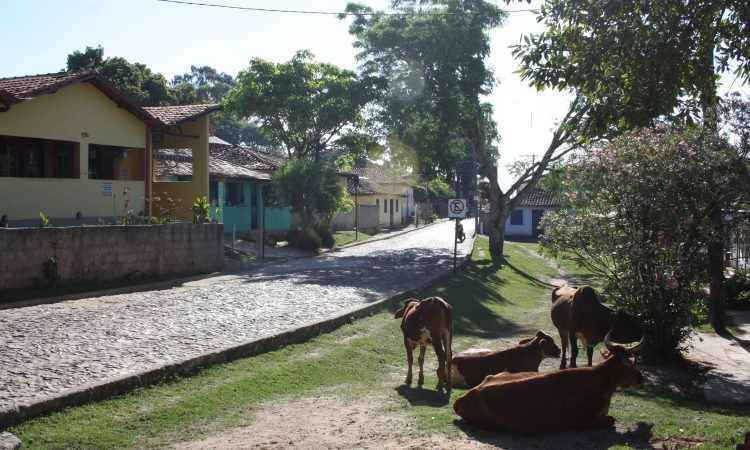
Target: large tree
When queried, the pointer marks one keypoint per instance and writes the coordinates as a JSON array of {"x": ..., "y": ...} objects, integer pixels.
[
  {"x": 432, "y": 58},
  {"x": 634, "y": 62},
  {"x": 136, "y": 80},
  {"x": 314, "y": 110}
]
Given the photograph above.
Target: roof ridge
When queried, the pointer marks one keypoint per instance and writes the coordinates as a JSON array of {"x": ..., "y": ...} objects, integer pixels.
[
  {"x": 181, "y": 106},
  {"x": 38, "y": 75}
]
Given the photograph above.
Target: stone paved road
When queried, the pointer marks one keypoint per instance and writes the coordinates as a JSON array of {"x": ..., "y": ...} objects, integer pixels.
[{"x": 48, "y": 349}]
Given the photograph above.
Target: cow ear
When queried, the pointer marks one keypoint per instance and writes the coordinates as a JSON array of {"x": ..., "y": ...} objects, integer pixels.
[{"x": 400, "y": 313}]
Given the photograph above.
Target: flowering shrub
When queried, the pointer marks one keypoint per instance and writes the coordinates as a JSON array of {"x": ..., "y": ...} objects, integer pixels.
[{"x": 639, "y": 216}]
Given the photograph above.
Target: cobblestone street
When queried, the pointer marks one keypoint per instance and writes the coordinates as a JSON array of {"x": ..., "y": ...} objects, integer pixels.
[{"x": 48, "y": 349}]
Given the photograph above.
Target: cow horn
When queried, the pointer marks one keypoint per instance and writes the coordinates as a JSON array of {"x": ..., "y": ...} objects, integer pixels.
[
  {"x": 637, "y": 347},
  {"x": 607, "y": 342}
]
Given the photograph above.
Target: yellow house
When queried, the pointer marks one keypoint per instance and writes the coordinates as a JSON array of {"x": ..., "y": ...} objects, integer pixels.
[
  {"x": 391, "y": 194},
  {"x": 75, "y": 148}
]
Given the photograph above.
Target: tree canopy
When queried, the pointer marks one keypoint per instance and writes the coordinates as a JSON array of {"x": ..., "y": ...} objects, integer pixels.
[
  {"x": 634, "y": 61},
  {"x": 312, "y": 109},
  {"x": 136, "y": 80}
]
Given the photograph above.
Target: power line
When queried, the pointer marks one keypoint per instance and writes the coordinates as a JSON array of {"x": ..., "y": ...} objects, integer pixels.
[{"x": 312, "y": 12}]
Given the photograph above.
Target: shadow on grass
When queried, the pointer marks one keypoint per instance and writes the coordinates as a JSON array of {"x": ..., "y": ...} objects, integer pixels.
[
  {"x": 637, "y": 437},
  {"x": 423, "y": 397},
  {"x": 672, "y": 400}
]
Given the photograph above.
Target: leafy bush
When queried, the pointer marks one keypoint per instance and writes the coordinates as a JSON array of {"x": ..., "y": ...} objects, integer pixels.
[
  {"x": 738, "y": 290},
  {"x": 43, "y": 220},
  {"x": 326, "y": 236},
  {"x": 640, "y": 217},
  {"x": 201, "y": 210},
  {"x": 312, "y": 189},
  {"x": 305, "y": 239}
]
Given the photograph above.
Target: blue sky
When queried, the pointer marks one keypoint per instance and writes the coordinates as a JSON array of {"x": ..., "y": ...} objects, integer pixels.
[{"x": 37, "y": 35}]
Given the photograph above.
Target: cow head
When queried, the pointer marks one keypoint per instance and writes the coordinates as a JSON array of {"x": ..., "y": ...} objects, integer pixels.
[
  {"x": 625, "y": 327},
  {"x": 408, "y": 304},
  {"x": 545, "y": 342},
  {"x": 549, "y": 348},
  {"x": 628, "y": 374}
]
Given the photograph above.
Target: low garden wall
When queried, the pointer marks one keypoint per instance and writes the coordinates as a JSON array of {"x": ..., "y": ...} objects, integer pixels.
[{"x": 37, "y": 257}]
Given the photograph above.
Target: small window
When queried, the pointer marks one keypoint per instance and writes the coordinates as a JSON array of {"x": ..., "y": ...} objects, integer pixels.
[
  {"x": 235, "y": 194},
  {"x": 377, "y": 203},
  {"x": 396, "y": 205},
  {"x": 108, "y": 162},
  {"x": 516, "y": 217},
  {"x": 385, "y": 205}
]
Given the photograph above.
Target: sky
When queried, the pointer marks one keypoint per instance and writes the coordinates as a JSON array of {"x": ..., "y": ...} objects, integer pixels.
[{"x": 37, "y": 35}]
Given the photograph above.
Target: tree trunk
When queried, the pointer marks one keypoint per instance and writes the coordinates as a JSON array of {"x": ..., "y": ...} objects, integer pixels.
[
  {"x": 498, "y": 212},
  {"x": 709, "y": 105}
]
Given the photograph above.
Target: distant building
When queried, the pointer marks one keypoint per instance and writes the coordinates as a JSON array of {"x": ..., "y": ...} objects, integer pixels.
[{"x": 523, "y": 220}]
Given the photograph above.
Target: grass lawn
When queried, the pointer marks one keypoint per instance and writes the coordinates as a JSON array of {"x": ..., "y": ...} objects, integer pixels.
[
  {"x": 366, "y": 360},
  {"x": 347, "y": 237}
]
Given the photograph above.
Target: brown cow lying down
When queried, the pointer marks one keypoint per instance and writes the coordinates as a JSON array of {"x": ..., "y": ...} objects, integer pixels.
[
  {"x": 470, "y": 368},
  {"x": 571, "y": 399},
  {"x": 424, "y": 322}
]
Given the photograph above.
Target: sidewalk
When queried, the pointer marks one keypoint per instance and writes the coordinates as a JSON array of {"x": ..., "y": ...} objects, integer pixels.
[{"x": 729, "y": 380}]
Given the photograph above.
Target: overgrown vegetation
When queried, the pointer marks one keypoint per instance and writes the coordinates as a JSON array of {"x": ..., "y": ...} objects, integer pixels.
[{"x": 641, "y": 216}]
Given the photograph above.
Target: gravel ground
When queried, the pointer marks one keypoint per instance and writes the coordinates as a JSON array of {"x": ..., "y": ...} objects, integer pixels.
[{"x": 52, "y": 348}]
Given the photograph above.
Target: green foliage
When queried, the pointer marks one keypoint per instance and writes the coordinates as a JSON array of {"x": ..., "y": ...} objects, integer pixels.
[
  {"x": 635, "y": 61},
  {"x": 136, "y": 80},
  {"x": 310, "y": 108},
  {"x": 43, "y": 220},
  {"x": 435, "y": 189},
  {"x": 201, "y": 210},
  {"x": 312, "y": 189},
  {"x": 305, "y": 239},
  {"x": 738, "y": 289},
  {"x": 432, "y": 68},
  {"x": 640, "y": 217}
]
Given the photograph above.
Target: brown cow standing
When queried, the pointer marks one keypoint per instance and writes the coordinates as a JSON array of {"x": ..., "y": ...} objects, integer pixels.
[
  {"x": 572, "y": 399},
  {"x": 470, "y": 368},
  {"x": 578, "y": 313},
  {"x": 424, "y": 322}
]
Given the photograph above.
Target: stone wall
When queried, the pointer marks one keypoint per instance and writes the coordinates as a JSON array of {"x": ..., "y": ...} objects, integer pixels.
[{"x": 102, "y": 253}]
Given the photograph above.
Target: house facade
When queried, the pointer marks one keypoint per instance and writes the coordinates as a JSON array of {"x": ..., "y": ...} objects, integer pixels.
[
  {"x": 390, "y": 194},
  {"x": 76, "y": 149},
  {"x": 523, "y": 220},
  {"x": 238, "y": 177}
]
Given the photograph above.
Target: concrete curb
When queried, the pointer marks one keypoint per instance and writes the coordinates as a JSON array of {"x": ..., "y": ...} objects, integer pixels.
[{"x": 121, "y": 385}]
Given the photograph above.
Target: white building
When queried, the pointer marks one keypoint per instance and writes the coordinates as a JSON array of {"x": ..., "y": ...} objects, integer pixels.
[{"x": 524, "y": 220}]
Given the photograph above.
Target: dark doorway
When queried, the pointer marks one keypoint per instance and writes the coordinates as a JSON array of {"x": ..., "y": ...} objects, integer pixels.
[
  {"x": 391, "y": 212},
  {"x": 536, "y": 217}
]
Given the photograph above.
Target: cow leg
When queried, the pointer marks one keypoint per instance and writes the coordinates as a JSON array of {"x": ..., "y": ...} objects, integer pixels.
[
  {"x": 564, "y": 343},
  {"x": 437, "y": 344},
  {"x": 447, "y": 338},
  {"x": 409, "y": 362},
  {"x": 573, "y": 348},
  {"x": 590, "y": 353},
  {"x": 420, "y": 380}
]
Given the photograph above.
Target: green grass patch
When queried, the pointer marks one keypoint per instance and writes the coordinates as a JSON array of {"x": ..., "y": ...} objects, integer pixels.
[
  {"x": 347, "y": 237},
  {"x": 489, "y": 303}
]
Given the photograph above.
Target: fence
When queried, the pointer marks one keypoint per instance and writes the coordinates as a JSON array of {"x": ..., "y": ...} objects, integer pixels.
[{"x": 738, "y": 240}]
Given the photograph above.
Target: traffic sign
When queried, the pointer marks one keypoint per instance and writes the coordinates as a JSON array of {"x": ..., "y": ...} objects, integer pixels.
[{"x": 457, "y": 208}]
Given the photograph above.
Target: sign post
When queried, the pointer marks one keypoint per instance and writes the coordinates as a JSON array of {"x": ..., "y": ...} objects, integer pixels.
[{"x": 456, "y": 210}]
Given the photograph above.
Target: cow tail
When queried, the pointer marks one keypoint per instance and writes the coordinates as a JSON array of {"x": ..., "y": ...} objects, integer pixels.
[{"x": 449, "y": 350}]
